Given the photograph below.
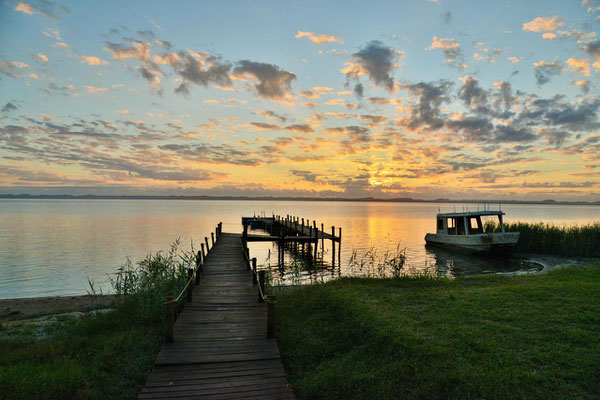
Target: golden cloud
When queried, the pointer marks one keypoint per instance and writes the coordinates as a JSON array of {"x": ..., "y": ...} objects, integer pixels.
[
  {"x": 543, "y": 24},
  {"x": 319, "y": 39}
]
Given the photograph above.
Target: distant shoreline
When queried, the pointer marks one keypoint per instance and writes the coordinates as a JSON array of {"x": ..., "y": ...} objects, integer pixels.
[{"x": 273, "y": 198}]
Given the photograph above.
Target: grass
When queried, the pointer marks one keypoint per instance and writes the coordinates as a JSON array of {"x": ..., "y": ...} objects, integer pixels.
[
  {"x": 102, "y": 357},
  {"x": 492, "y": 337},
  {"x": 106, "y": 356},
  {"x": 565, "y": 240}
]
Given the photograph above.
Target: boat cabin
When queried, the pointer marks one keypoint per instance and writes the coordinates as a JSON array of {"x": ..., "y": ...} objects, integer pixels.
[{"x": 465, "y": 223}]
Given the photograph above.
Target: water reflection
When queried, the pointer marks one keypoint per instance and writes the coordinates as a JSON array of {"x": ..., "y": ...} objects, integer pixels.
[
  {"x": 455, "y": 262},
  {"x": 51, "y": 247}
]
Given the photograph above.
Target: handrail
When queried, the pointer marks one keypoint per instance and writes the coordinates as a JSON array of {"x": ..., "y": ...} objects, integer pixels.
[
  {"x": 187, "y": 285},
  {"x": 266, "y": 298},
  {"x": 175, "y": 300}
]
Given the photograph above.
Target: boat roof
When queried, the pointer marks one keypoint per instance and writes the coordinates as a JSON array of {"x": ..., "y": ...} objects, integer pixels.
[{"x": 469, "y": 214}]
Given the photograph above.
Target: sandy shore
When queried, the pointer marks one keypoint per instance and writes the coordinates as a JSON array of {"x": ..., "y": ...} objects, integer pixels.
[{"x": 15, "y": 309}]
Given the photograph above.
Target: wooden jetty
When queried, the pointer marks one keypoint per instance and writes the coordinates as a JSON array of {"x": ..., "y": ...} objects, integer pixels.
[
  {"x": 222, "y": 344},
  {"x": 292, "y": 229}
]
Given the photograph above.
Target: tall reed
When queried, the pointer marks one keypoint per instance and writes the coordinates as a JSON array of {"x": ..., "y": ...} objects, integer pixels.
[
  {"x": 564, "y": 240},
  {"x": 141, "y": 289}
]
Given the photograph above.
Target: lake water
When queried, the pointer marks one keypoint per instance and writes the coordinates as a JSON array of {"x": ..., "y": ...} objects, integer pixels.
[{"x": 52, "y": 247}]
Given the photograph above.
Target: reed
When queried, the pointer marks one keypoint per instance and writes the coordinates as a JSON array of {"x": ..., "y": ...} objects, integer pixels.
[
  {"x": 373, "y": 264},
  {"x": 563, "y": 240},
  {"x": 141, "y": 289}
]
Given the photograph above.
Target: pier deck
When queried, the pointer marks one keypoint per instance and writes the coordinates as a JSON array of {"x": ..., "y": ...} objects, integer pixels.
[{"x": 220, "y": 348}]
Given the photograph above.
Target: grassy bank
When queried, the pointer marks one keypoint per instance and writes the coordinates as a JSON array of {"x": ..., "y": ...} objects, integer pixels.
[
  {"x": 533, "y": 336},
  {"x": 566, "y": 240},
  {"x": 104, "y": 356}
]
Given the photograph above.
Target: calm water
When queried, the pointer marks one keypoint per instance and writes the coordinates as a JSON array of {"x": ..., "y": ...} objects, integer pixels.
[{"x": 51, "y": 247}]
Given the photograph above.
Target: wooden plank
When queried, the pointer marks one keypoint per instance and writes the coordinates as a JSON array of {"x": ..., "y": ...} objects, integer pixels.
[{"x": 220, "y": 349}]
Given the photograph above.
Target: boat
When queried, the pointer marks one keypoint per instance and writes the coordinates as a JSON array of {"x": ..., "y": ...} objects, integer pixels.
[{"x": 465, "y": 230}]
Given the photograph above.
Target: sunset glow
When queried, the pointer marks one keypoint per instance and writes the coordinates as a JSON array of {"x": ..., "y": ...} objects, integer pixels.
[{"x": 421, "y": 99}]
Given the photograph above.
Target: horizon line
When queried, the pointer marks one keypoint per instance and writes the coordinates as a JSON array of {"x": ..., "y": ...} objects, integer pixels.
[{"x": 292, "y": 198}]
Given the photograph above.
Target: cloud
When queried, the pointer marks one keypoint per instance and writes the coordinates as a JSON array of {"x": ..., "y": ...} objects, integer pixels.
[
  {"x": 543, "y": 24},
  {"x": 504, "y": 98},
  {"x": 270, "y": 81},
  {"x": 44, "y": 7},
  {"x": 483, "y": 53},
  {"x": 513, "y": 59},
  {"x": 300, "y": 128},
  {"x": 306, "y": 175},
  {"x": 359, "y": 90},
  {"x": 512, "y": 134},
  {"x": 42, "y": 57},
  {"x": 580, "y": 66},
  {"x": 319, "y": 39},
  {"x": 8, "y": 107},
  {"x": 377, "y": 61},
  {"x": 123, "y": 111},
  {"x": 544, "y": 71},
  {"x": 24, "y": 8},
  {"x": 13, "y": 69},
  {"x": 452, "y": 51},
  {"x": 322, "y": 89},
  {"x": 262, "y": 126},
  {"x": 201, "y": 69},
  {"x": 426, "y": 114},
  {"x": 309, "y": 94},
  {"x": 138, "y": 50},
  {"x": 555, "y": 138},
  {"x": 593, "y": 49},
  {"x": 310, "y": 105},
  {"x": 470, "y": 93},
  {"x": 583, "y": 85},
  {"x": 271, "y": 115},
  {"x": 52, "y": 33},
  {"x": 96, "y": 90},
  {"x": 94, "y": 61}
]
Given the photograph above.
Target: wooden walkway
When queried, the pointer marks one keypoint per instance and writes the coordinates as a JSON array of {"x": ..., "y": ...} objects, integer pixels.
[{"x": 221, "y": 350}]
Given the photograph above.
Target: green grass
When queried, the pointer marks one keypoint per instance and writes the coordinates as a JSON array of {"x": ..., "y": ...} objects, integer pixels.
[
  {"x": 492, "y": 337},
  {"x": 565, "y": 240},
  {"x": 107, "y": 356}
]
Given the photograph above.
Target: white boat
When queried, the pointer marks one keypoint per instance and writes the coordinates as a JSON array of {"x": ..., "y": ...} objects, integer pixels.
[{"x": 465, "y": 229}]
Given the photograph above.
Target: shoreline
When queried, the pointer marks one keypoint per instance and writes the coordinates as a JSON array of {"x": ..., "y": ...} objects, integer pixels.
[{"x": 30, "y": 307}]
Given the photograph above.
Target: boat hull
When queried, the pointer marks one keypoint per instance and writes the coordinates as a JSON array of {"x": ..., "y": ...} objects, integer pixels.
[{"x": 478, "y": 242}]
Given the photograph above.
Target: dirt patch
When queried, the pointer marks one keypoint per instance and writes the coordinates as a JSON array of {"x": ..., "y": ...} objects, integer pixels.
[{"x": 25, "y": 308}]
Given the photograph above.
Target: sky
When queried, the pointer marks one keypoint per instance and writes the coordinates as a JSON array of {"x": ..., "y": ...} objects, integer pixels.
[{"x": 423, "y": 99}]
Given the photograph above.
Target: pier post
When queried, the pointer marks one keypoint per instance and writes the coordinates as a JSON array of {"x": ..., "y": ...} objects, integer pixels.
[
  {"x": 333, "y": 245},
  {"x": 340, "y": 248},
  {"x": 261, "y": 283},
  {"x": 247, "y": 251},
  {"x": 203, "y": 253},
  {"x": 190, "y": 287},
  {"x": 198, "y": 266},
  {"x": 212, "y": 235},
  {"x": 254, "y": 280},
  {"x": 322, "y": 238},
  {"x": 316, "y": 240},
  {"x": 207, "y": 247},
  {"x": 271, "y": 317},
  {"x": 169, "y": 319}
]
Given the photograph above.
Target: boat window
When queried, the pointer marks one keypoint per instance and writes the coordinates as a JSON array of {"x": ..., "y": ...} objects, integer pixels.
[
  {"x": 475, "y": 226},
  {"x": 460, "y": 226},
  {"x": 451, "y": 226},
  {"x": 440, "y": 224}
]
